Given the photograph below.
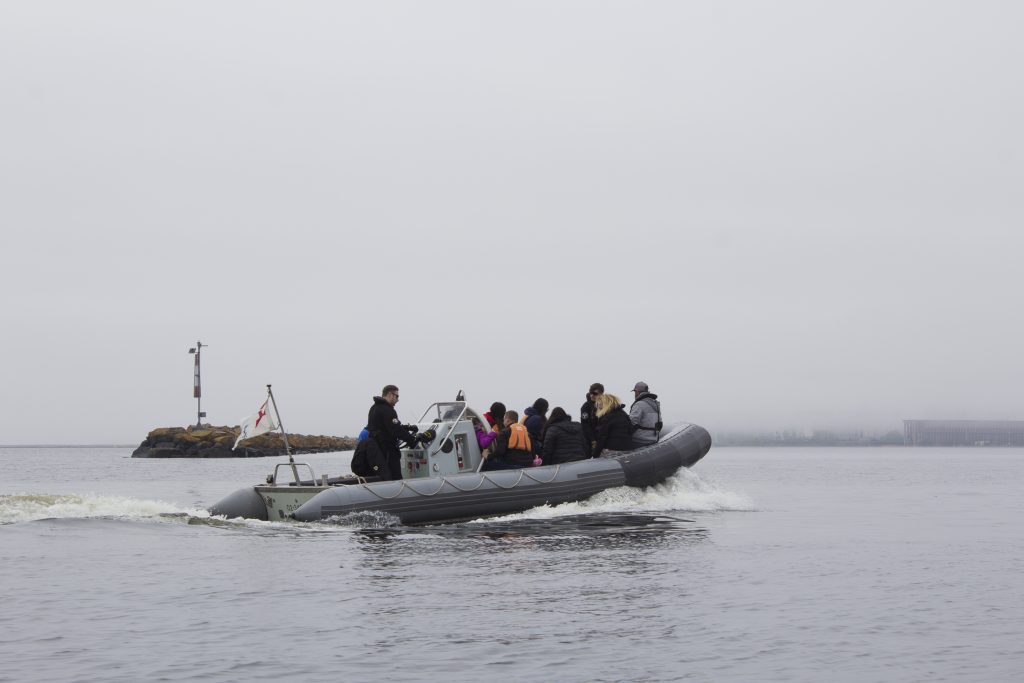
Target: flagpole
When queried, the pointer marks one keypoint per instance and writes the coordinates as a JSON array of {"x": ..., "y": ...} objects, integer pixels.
[{"x": 284, "y": 434}]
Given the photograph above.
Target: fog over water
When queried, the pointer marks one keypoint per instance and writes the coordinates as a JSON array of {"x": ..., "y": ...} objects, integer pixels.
[{"x": 785, "y": 215}]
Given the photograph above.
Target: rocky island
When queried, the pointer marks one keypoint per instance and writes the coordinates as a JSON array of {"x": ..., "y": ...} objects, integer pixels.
[{"x": 207, "y": 441}]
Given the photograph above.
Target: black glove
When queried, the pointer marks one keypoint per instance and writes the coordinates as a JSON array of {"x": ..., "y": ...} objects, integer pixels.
[{"x": 412, "y": 428}]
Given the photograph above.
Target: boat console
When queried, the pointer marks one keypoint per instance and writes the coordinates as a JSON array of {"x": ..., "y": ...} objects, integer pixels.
[{"x": 447, "y": 443}]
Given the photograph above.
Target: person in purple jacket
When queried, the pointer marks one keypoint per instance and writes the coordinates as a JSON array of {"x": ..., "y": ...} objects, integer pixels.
[{"x": 484, "y": 436}]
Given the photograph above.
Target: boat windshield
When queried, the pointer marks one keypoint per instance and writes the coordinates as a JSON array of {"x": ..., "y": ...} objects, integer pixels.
[{"x": 445, "y": 411}]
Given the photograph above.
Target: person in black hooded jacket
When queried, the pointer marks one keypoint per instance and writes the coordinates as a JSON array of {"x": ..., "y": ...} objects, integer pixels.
[
  {"x": 614, "y": 430},
  {"x": 563, "y": 439},
  {"x": 385, "y": 428},
  {"x": 588, "y": 417}
]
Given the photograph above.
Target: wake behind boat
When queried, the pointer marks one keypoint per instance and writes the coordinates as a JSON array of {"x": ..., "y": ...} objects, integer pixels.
[{"x": 441, "y": 482}]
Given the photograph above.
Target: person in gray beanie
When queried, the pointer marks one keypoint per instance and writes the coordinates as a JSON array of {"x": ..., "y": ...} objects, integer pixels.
[{"x": 645, "y": 416}]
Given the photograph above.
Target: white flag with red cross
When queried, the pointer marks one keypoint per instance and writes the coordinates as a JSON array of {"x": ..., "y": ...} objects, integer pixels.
[{"x": 254, "y": 425}]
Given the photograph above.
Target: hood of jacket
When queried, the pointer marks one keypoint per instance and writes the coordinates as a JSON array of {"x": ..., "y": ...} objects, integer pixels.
[
  {"x": 559, "y": 420},
  {"x": 565, "y": 426}
]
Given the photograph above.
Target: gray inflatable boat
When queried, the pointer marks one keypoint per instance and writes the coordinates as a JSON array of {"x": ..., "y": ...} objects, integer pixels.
[{"x": 441, "y": 481}]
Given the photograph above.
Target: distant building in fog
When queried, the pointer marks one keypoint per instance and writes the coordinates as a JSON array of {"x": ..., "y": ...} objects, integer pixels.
[{"x": 963, "y": 433}]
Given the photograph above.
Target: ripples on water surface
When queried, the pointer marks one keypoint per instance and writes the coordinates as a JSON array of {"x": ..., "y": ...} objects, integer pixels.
[{"x": 823, "y": 564}]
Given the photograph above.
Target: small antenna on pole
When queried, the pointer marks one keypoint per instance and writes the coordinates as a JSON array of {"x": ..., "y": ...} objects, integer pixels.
[{"x": 197, "y": 388}]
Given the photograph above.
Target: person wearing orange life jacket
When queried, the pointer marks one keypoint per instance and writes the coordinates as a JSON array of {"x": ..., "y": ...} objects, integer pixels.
[{"x": 512, "y": 447}]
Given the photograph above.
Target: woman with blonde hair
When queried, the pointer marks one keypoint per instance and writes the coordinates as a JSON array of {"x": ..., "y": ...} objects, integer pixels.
[{"x": 613, "y": 427}]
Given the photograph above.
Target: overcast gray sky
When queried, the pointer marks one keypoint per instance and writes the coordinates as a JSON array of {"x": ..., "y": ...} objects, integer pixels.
[{"x": 786, "y": 214}]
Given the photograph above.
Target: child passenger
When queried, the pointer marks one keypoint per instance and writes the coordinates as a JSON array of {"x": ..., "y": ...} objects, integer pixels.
[
  {"x": 484, "y": 437},
  {"x": 512, "y": 447}
]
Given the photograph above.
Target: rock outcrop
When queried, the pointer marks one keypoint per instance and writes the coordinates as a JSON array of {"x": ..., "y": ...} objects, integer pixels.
[{"x": 207, "y": 441}]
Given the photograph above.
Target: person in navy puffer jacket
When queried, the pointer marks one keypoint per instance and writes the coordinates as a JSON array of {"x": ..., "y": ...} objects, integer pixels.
[{"x": 534, "y": 419}]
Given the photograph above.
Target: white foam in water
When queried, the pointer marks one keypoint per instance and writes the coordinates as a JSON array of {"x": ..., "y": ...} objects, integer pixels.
[
  {"x": 367, "y": 519},
  {"x": 29, "y": 507},
  {"x": 683, "y": 492}
]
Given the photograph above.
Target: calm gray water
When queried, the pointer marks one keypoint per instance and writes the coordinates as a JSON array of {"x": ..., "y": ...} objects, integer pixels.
[{"x": 757, "y": 565}]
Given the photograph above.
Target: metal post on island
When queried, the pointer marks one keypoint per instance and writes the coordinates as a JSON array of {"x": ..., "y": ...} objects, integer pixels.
[{"x": 197, "y": 389}]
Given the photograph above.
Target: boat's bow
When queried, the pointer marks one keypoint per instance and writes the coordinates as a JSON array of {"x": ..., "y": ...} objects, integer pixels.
[{"x": 682, "y": 447}]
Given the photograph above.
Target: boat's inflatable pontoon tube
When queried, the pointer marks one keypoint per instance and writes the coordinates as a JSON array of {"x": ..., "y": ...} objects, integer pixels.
[
  {"x": 472, "y": 495},
  {"x": 246, "y": 503}
]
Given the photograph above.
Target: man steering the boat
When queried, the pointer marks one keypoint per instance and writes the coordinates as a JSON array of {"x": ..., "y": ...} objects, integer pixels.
[{"x": 386, "y": 429}]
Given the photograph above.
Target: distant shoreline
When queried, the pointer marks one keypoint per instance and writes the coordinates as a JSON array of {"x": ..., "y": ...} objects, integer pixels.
[{"x": 67, "y": 445}]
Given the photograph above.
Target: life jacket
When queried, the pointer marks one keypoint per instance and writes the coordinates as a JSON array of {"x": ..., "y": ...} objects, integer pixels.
[
  {"x": 519, "y": 438},
  {"x": 653, "y": 403}
]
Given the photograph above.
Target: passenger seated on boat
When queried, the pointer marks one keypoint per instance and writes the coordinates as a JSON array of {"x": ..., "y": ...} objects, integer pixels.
[
  {"x": 535, "y": 419},
  {"x": 512, "y": 447},
  {"x": 588, "y": 417},
  {"x": 645, "y": 416},
  {"x": 614, "y": 430},
  {"x": 495, "y": 416},
  {"x": 563, "y": 439},
  {"x": 483, "y": 436}
]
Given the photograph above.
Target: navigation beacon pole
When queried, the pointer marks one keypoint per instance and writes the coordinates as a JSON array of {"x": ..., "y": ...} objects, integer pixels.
[
  {"x": 197, "y": 390},
  {"x": 284, "y": 434}
]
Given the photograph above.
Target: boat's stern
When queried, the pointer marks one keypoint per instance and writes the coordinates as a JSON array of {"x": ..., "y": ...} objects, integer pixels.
[{"x": 245, "y": 503}]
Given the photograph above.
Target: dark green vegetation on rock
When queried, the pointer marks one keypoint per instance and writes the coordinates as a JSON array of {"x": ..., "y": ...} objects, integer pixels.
[{"x": 215, "y": 442}]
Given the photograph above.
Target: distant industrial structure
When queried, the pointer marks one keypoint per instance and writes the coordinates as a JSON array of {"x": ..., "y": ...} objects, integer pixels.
[{"x": 963, "y": 433}]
